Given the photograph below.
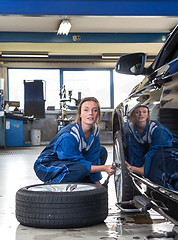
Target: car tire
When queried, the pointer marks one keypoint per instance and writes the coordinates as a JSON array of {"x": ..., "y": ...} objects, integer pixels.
[
  {"x": 61, "y": 205},
  {"x": 123, "y": 183}
]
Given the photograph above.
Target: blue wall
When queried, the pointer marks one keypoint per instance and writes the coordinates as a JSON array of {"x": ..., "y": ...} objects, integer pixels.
[{"x": 93, "y": 7}]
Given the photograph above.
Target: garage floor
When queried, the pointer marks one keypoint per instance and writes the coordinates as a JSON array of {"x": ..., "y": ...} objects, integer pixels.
[{"x": 16, "y": 171}]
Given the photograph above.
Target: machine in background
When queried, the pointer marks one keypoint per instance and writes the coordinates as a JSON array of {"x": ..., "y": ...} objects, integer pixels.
[{"x": 65, "y": 105}]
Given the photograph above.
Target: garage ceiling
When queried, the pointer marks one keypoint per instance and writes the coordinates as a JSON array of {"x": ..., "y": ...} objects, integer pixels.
[{"x": 98, "y": 36}]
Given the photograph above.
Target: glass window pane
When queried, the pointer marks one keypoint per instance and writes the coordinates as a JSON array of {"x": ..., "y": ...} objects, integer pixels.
[
  {"x": 123, "y": 85},
  {"x": 90, "y": 84},
  {"x": 50, "y": 76}
]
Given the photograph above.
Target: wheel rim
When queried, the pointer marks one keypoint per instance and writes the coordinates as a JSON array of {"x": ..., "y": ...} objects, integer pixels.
[
  {"x": 118, "y": 175},
  {"x": 69, "y": 187}
]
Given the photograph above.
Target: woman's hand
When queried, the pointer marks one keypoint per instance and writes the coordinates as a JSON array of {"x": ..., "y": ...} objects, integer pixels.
[
  {"x": 98, "y": 183},
  {"x": 128, "y": 166},
  {"x": 109, "y": 170},
  {"x": 138, "y": 170},
  {"x": 103, "y": 168}
]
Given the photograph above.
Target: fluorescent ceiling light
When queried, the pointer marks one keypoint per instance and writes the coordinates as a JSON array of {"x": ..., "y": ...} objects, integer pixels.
[
  {"x": 64, "y": 27},
  {"x": 111, "y": 56},
  {"x": 25, "y": 54}
]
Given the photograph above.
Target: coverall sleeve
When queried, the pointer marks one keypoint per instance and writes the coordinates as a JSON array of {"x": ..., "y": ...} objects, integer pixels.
[
  {"x": 93, "y": 156},
  {"x": 160, "y": 138},
  {"x": 67, "y": 148}
]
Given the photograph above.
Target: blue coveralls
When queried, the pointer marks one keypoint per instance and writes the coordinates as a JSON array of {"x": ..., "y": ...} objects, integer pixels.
[
  {"x": 154, "y": 149},
  {"x": 68, "y": 157}
]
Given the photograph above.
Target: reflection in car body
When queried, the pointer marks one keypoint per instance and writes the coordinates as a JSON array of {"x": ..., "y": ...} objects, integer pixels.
[{"x": 159, "y": 92}]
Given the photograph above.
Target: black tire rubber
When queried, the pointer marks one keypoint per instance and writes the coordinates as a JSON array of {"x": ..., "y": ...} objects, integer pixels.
[
  {"x": 125, "y": 191},
  {"x": 61, "y": 209}
]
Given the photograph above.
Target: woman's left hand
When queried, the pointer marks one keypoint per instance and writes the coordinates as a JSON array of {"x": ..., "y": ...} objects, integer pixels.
[
  {"x": 109, "y": 170},
  {"x": 138, "y": 170},
  {"x": 128, "y": 166},
  {"x": 98, "y": 183}
]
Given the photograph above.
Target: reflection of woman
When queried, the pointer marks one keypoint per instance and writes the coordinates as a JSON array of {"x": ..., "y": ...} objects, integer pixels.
[
  {"x": 75, "y": 154},
  {"x": 144, "y": 138}
]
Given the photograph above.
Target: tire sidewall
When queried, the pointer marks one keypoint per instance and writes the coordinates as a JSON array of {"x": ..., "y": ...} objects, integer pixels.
[
  {"x": 125, "y": 188},
  {"x": 61, "y": 209}
]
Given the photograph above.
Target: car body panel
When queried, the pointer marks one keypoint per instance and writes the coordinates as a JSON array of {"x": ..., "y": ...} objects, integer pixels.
[{"x": 159, "y": 92}]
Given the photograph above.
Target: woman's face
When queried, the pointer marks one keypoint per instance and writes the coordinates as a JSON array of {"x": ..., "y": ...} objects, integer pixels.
[
  {"x": 140, "y": 114},
  {"x": 89, "y": 113}
]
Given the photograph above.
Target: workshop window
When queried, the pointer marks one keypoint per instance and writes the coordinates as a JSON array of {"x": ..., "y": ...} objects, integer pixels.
[
  {"x": 95, "y": 83},
  {"x": 51, "y": 78},
  {"x": 123, "y": 85}
]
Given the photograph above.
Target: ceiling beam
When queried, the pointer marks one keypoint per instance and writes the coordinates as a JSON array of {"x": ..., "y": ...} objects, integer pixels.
[{"x": 83, "y": 37}]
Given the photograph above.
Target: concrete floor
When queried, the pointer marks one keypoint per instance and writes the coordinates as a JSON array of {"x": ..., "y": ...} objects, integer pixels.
[{"x": 16, "y": 171}]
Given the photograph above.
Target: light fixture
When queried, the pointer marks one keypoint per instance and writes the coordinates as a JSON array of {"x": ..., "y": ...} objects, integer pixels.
[
  {"x": 111, "y": 56},
  {"x": 64, "y": 27},
  {"x": 25, "y": 54}
]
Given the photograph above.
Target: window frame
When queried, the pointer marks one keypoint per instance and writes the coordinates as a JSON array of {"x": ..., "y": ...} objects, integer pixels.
[
  {"x": 61, "y": 79},
  {"x": 111, "y": 105}
]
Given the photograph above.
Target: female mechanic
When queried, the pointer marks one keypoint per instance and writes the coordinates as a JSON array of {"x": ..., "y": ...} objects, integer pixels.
[{"x": 75, "y": 153}]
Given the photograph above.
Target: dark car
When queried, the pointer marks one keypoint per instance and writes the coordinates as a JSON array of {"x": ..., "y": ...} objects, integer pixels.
[{"x": 159, "y": 92}]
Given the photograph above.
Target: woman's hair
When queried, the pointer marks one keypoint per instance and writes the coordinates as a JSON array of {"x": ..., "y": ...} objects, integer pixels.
[
  {"x": 131, "y": 115},
  {"x": 93, "y": 99}
]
